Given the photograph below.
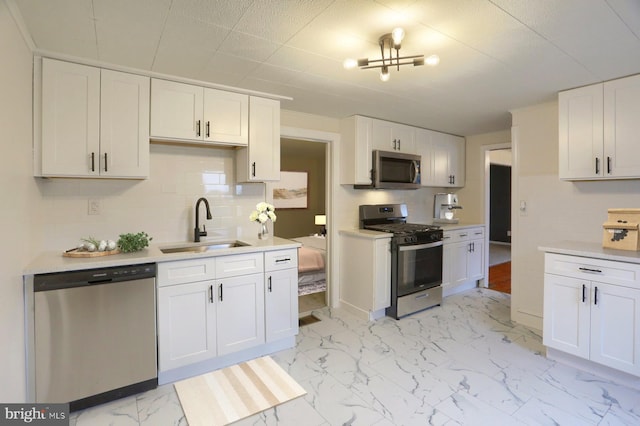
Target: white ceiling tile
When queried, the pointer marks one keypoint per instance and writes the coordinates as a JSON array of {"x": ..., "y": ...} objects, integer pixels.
[
  {"x": 629, "y": 13},
  {"x": 495, "y": 55},
  {"x": 224, "y": 13},
  {"x": 279, "y": 20},
  {"x": 65, "y": 26},
  {"x": 248, "y": 46},
  {"x": 222, "y": 64}
]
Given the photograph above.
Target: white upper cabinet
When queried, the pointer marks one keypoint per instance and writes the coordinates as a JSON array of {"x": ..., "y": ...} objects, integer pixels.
[
  {"x": 599, "y": 131},
  {"x": 124, "y": 124},
  {"x": 176, "y": 110},
  {"x": 443, "y": 155},
  {"x": 94, "y": 123},
  {"x": 260, "y": 160},
  {"x": 388, "y": 136},
  {"x": 70, "y": 119},
  {"x": 356, "y": 150},
  {"x": 443, "y": 158},
  {"x": 191, "y": 113},
  {"x": 580, "y": 133},
  {"x": 622, "y": 127}
]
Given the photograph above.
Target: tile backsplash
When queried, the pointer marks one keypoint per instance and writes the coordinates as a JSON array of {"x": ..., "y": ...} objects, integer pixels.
[{"x": 162, "y": 205}]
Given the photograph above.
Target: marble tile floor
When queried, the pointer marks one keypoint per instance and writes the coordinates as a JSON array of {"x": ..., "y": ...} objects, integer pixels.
[{"x": 463, "y": 363}]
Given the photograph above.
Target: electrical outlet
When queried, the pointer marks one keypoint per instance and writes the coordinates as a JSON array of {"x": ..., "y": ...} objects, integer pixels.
[{"x": 94, "y": 207}]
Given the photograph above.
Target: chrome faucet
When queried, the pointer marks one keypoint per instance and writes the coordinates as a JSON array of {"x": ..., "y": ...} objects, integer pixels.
[{"x": 197, "y": 233}]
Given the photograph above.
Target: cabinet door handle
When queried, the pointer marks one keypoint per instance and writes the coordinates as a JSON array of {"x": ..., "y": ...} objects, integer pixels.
[
  {"x": 608, "y": 165},
  {"x": 253, "y": 169},
  {"x": 106, "y": 163},
  {"x": 453, "y": 179},
  {"x": 470, "y": 249},
  {"x": 590, "y": 270},
  {"x": 93, "y": 161},
  {"x": 595, "y": 296},
  {"x": 220, "y": 292},
  {"x": 211, "y": 293},
  {"x": 198, "y": 128},
  {"x": 597, "y": 166},
  {"x": 207, "y": 129},
  {"x": 399, "y": 146},
  {"x": 584, "y": 293},
  {"x": 269, "y": 284}
]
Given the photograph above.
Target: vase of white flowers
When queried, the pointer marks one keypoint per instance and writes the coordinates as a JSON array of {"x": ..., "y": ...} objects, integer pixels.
[{"x": 263, "y": 213}]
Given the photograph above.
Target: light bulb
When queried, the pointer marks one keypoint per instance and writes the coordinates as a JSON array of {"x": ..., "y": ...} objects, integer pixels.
[
  {"x": 432, "y": 60},
  {"x": 349, "y": 64},
  {"x": 397, "y": 34},
  {"x": 384, "y": 74}
]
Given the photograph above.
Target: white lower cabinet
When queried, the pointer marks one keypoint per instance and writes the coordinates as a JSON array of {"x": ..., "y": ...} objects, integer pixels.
[
  {"x": 187, "y": 324},
  {"x": 217, "y": 306},
  {"x": 462, "y": 257},
  {"x": 368, "y": 274},
  {"x": 281, "y": 294},
  {"x": 240, "y": 313},
  {"x": 592, "y": 310}
]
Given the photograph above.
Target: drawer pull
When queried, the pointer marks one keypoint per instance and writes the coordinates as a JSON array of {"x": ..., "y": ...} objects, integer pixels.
[
  {"x": 286, "y": 259},
  {"x": 463, "y": 235},
  {"x": 590, "y": 270}
]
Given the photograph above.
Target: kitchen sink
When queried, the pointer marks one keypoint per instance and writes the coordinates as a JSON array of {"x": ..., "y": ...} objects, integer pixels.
[{"x": 203, "y": 247}]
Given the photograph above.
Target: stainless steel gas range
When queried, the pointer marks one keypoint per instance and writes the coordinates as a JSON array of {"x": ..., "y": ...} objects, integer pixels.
[{"x": 416, "y": 258}]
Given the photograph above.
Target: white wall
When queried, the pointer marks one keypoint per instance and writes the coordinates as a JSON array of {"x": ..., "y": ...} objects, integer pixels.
[
  {"x": 19, "y": 200},
  {"x": 501, "y": 157},
  {"x": 556, "y": 210},
  {"x": 472, "y": 196},
  {"x": 162, "y": 205}
]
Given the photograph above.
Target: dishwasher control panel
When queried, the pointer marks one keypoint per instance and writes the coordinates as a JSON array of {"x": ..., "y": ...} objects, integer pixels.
[{"x": 87, "y": 277}]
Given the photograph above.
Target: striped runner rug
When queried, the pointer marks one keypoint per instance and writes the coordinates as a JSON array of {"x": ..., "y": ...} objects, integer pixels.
[{"x": 233, "y": 393}]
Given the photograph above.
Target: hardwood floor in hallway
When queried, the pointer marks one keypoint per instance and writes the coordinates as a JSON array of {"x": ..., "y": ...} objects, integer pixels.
[{"x": 500, "y": 277}]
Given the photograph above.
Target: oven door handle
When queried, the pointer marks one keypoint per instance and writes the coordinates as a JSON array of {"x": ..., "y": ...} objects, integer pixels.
[{"x": 419, "y": 246}]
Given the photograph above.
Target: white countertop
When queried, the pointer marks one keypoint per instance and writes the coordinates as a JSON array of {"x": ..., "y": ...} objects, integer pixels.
[
  {"x": 592, "y": 250},
  {"x": 365, "y": 233},
  {"x": 456, "y": 226},
  {"x": 53, "y": 261}
]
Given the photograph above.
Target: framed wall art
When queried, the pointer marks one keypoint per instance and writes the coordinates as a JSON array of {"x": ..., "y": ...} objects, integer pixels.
[{"x": 292, "y": 191}]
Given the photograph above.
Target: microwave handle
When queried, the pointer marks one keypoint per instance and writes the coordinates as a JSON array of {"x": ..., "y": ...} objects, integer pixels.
[{"x": 414, "y": 171}]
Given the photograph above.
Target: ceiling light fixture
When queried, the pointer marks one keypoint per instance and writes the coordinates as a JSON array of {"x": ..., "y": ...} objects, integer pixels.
[{"x": 388, "y": 43}]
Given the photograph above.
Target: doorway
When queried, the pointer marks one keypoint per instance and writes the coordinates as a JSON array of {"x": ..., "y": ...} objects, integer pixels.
[
  {"x": 309, "y": 159},
  {"x": 498, "y": 165}
]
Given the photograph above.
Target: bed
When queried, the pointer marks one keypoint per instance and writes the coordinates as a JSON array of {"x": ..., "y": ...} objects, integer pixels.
[{"x": 312, "y": 259}]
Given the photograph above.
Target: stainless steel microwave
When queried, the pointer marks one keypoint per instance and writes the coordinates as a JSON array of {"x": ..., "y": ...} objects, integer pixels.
[{"x": 394, "y": 170}]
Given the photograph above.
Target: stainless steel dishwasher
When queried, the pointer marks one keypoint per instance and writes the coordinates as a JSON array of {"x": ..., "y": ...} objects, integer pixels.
[{"x": 93, "y": 335}]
